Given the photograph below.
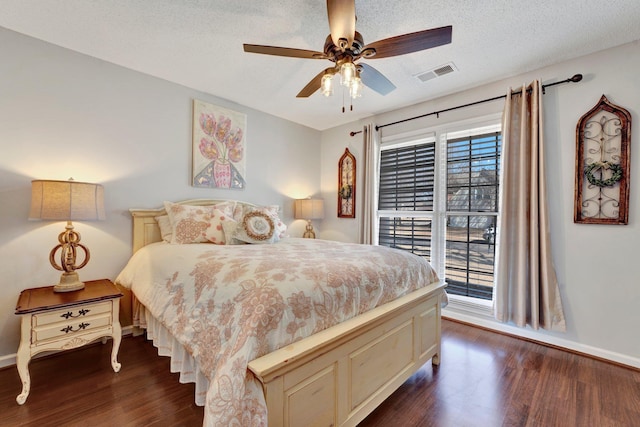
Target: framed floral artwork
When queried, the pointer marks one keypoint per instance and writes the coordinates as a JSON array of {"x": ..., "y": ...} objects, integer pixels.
[{"x": 219, "y": 145}]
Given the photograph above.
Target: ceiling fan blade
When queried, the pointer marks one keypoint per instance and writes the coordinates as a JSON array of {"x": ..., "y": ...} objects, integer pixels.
[
  {"x": 313, "y": 85},
  {"x": 412, "y": 42},
  {"x": 373, "y": 79},
  {"x": 284, "y": 51},
  {"x": 342, "y": 21}
]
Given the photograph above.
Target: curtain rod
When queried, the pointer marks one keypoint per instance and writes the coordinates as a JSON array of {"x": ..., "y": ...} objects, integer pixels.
[{"x": 574, "y": 79}]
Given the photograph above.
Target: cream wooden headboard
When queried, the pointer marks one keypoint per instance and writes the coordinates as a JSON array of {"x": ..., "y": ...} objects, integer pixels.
[{"x": 145, "y": 226}]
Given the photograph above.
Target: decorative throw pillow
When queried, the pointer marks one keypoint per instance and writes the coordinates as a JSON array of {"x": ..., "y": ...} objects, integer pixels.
[
  {"x": 272, "y": 211},
  {"x": 281, "y": 227},
  {"x": 164, "y": 223},
  {"x": 229, "y": 226},
  {"x": 216, "y": 232},
  {"x": 256, "y": 227},
  {"x": 231, "y": 209},
  {"x": 195, "y": 224}
]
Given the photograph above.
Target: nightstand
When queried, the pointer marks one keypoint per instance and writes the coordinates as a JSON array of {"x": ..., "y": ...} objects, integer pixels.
[{"x": 65, "y": 320}]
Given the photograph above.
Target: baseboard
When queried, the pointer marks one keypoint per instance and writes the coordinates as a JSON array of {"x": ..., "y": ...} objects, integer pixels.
[
  {"x": 10, "y": 359},
  {"x": 531, "y": 335},
  {"x": 598, "y": 353}
]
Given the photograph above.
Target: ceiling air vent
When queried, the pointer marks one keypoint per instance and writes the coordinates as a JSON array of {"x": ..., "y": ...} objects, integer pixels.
[{"x": 436, "y": 72}]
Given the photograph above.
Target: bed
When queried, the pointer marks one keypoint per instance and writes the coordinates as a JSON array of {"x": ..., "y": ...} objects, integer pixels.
[{"x": 325, "y": 354}]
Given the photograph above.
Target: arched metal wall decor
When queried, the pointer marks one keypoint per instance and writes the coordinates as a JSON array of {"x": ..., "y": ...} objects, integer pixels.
[
  {"x": 603, "y": 139},
  {"x": 347, "y": 185}
]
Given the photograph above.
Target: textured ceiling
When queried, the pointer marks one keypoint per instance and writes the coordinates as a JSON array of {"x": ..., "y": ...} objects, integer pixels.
[{"x": 199, "y": 43}]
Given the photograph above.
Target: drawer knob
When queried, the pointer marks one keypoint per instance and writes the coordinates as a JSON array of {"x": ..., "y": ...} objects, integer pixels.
[
  {"x": 69, "y": 328},
  {"x": 81, "y": 312}
]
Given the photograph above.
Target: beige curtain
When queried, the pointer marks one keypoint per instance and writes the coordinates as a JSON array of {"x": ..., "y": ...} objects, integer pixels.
[
  {"x": 369, "y": 230},
  {"x": 526, "y": 288}
]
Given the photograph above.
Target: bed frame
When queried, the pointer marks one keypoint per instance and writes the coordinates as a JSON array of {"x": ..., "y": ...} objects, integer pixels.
[{"x": 340, "y": 375}]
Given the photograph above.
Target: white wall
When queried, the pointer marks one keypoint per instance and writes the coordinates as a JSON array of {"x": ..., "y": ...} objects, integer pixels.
[
  {"x": 597, "y": 265},
  {"x": 334, "y": 142},
  {"x": 63, "y": 114}
]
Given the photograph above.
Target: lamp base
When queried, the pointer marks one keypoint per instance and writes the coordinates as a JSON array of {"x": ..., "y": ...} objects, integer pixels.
[
  {"x": 69, "y": 282},
  {"x": 309, "y": 233}
]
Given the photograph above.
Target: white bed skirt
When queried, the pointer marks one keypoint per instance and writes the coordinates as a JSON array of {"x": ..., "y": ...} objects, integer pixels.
[{"x": 181, "y": 361}]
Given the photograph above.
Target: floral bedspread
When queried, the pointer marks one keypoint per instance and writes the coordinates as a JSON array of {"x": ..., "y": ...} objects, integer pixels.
[{"x": 229, "y": 304}]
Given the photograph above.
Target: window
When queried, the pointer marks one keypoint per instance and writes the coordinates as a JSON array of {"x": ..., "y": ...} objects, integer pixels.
[
  {"x": 406, "y": 190},
  {"x": 438, "y": 198},
  {"x": 473, "y": 168}
]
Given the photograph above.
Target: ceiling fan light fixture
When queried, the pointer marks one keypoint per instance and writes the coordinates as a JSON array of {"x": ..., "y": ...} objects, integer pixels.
[
  {"x": 347, "y": 73},
  {"x": 344, "y": 45},
  {"x": 326, "y": 85},
  {"x": 355, "y": 90}
]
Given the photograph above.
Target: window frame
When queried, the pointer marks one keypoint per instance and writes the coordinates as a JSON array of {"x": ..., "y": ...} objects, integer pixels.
[{"x": 439, "y": 134}]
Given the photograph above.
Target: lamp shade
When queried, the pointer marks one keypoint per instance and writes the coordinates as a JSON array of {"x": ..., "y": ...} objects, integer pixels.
[
  {"x": 66, "y": 201},
  {"x": 309, "y": 209}
]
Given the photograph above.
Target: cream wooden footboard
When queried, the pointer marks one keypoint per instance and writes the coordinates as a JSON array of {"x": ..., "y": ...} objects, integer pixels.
[{"x": 340, "y": 375}]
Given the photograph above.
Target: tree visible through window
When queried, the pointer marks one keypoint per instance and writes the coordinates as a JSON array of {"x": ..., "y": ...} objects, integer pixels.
[{"x": 409, "y": 204}]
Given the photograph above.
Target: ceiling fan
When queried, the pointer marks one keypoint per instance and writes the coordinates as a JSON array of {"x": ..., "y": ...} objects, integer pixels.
[{"x": 345, "y": 46}]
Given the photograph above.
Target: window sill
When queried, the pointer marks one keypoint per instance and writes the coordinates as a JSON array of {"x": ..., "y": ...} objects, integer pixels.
[{"x": 475, "y": 306}]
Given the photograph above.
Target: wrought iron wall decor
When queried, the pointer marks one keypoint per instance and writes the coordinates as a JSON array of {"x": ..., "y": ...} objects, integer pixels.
[
  {"x": 347, "y": 185},
  {"x": 603, "y": 140}
]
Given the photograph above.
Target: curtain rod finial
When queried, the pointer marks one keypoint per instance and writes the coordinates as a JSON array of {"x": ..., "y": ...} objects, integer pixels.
[{"x": 576, "y": 78}]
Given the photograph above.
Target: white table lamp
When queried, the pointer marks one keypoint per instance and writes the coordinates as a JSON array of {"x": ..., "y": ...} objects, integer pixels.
[{"x": 309, "y": 209}]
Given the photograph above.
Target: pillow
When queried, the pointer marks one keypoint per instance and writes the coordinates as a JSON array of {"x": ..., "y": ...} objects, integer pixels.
[
  {"x": 281, "y": 227},
  {"x": 229, "y": 226},
  {"x": 231, "y": 209},
  {"x": 164, "y": 223},
  {"x": 195, "y": 224},
  {"x": 256, "y": 227},
  {"x": 272, "y": 211}
]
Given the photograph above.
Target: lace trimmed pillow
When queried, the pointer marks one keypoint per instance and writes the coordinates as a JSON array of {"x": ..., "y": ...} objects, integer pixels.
[{"x": 195, "y": 224}]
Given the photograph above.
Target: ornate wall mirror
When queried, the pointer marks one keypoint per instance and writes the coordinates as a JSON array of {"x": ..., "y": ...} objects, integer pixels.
[{"x": 603, "y": 138}]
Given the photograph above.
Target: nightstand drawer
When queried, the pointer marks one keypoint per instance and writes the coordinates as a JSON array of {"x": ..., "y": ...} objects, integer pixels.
[
  {"x": 69, "y": 328},
  {"x": 71, "y": 315}
]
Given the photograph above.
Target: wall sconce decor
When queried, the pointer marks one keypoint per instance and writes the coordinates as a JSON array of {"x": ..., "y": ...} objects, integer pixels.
[
  {"x": 347, "y": 185},
  {"x": 603, "y": 138},
  {"x": 309, "y": 209},
  {"x": 67, "y": 201}
]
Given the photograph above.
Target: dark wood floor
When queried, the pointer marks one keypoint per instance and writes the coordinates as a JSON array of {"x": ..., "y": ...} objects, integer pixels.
[
  {"x": 488, "y": 379},
  {"x": 485, "y": 379}
]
